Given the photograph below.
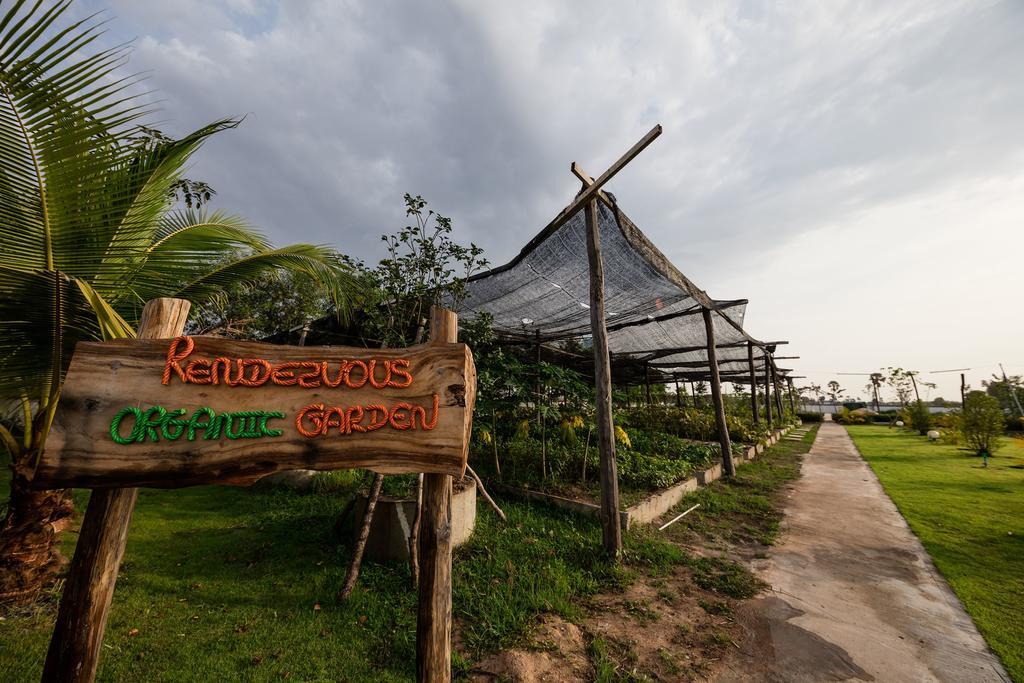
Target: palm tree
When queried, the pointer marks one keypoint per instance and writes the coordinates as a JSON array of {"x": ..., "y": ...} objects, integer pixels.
[{"x": 88, "y": 234}]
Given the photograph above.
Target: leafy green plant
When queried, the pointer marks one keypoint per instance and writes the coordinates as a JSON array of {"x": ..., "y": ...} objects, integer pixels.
[
  {"x": 920, "y": 417},
  {"x": 983, "y": 422}
]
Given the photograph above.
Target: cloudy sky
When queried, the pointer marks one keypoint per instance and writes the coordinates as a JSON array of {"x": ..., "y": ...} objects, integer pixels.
[{"x": 855, "y": 169}]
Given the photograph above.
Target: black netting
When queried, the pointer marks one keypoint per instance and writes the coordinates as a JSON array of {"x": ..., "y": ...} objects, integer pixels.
[{"x": 652, "y": 311}]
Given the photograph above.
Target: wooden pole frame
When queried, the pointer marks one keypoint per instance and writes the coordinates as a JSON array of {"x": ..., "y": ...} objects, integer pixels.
[
  {"x": 728, "y": 467},
  {"x": 767, "y": 391},
  {"x": 753, "y": 385},
  {"x": 775, "y": 386},
  {"x": 434, "y": 606},
  {"x": 610, "y": 525},
  {"x": 74, "y": 651}
]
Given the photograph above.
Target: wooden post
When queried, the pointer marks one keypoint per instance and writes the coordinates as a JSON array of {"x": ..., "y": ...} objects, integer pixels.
[
  {"x": 693, "y": 394},
  {"x": 82, "y": 616},
  {"x": 767, "y": 391},
  {"x": 963, "y": 392},
  {"x": 753, "y": 384},
  {"x": 647, "y": 382},
  {"x": 434, "y": 608},
  {"x": 775, "y": 386},
  {"x": 611, "y": 529},
  {"x": 679, "y": 399},
  {"x": 789, "y": 385},
  {"x": 716, "y": 397}
]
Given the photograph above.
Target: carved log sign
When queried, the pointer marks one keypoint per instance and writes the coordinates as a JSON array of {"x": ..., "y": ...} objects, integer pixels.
[{"x": 200, "y": 410}]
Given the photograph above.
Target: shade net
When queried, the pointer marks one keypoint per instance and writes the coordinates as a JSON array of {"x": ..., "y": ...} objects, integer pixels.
[{"x": 652, "y": 311}]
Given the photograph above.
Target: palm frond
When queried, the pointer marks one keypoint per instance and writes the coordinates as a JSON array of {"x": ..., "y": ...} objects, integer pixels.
[
  {"x": 61, "y": 115},
  {"x": 321, "y": 264},
  {"x": 43, "y": 314}
]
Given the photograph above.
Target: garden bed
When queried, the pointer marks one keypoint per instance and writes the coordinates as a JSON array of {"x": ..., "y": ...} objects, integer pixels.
[{"x": 644, "y": 506}]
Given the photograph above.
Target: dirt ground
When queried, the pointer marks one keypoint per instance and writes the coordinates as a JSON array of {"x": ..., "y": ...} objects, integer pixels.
[
  {"x": 661, "y": 628},
  {"x": 853, "y": 594}
]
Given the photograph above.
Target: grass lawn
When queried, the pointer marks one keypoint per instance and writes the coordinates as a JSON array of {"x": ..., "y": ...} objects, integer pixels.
[
  {"x": 221, "y": 583},
  {"x": 969, "y": 518}
]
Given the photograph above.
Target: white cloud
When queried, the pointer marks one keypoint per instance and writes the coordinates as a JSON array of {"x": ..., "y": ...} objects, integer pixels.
[{"x": 853, "y": 168}]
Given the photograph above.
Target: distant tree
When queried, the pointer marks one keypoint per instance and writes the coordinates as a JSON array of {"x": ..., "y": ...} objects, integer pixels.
[
  {"x": 938, "y": 401},
  {"x": 835, "y": 392},
  {"x": 983, "y": 422},
  {"x": 276, "y": 302},
  {"x": 1003, "y": 390},
  {"x": 903, "y": 382}
]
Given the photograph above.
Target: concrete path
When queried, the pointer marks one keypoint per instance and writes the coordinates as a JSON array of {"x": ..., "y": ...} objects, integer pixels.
[{"x": 853, "y": 594}]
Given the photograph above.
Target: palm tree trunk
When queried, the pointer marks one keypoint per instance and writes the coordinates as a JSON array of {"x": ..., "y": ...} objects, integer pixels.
[{"x": 29, "y": 557}]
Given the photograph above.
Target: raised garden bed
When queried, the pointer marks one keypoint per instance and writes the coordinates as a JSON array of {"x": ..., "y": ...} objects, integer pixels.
[{"x": 648, "y": 507}]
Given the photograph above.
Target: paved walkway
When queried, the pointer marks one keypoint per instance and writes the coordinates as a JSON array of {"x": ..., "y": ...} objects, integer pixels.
[{"x": 853, "y": 594}]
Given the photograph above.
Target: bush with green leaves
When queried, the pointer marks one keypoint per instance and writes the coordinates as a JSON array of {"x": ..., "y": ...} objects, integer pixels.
[
  {"x": 920, "y": 417},
  {"x": 983, "y": 422},
  {"x": 809, "y": 417}
]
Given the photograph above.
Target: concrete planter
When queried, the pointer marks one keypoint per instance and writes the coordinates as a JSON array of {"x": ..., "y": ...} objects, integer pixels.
[
  {"x": 393, "y": 518},
  {"x": 709, "y": 475}
]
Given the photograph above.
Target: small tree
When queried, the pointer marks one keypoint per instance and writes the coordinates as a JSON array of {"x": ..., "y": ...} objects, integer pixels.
[
  {"x": 920, "y": 417},
  {"x": 983, "y": 422}
]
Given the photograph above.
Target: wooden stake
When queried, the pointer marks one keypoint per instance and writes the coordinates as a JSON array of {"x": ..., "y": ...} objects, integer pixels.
[
  {"x": 610, "y": 525},
  {"x": 647, "y": 382},
  {"x": 434, "y": 609},
  {"x": 85, "y": 604},
  {"x": 775, "y": 386},
  {"x": 716, "y": 397},
  {"x": 789, "y": 385},
  {"x": 963, "y": 392},
  {"x": 352, "y": 575},
  {"x": 483, "y": 492},
  {"x": 768, "y": 392},
  {"x": 679, "y": 399},
  {"x": 753, "y": 384}
]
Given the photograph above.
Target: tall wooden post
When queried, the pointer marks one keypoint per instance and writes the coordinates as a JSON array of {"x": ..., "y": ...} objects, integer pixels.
[
  {"x": 85, "y": 604},
  {"x": 693, "y": 394},
  {"x": 753, "y": 384},
  {"x": 679, "y": 399},
  {"x": 611, "y": 531},
  {"x": 434, "y": 608},
  {"x": 963, "y": 392},
  {"x": 775, "y": 385},
  {"x": 767, "y": 390},
  {"x": 647, "y": 383},
  {"x": 792, "y": 404},
  {"x": 716, "y": 397}
]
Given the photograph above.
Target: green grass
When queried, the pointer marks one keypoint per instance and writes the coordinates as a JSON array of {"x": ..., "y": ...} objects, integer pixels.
[
  {"x": 970, "y": 520},
  {"x": 236, "y": 584}
]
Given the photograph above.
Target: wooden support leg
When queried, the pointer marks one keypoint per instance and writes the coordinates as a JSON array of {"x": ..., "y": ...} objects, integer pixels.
[
  {"x": 716, "y": 397},
  {"x": 434, "y": 610},
  {"x": 610, "y": 524},
  {"x": 82, "y": 616},
  {"x": 753, "y": 384}
]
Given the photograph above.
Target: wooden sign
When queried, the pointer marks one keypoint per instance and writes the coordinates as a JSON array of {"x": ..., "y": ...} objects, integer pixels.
[{"x": 198, "y": 410}]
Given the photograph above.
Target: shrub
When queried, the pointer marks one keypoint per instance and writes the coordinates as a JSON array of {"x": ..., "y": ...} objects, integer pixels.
[
  {"x": 983, "y": 422},
  {"x": 845, "y": 416},
  {"x": 810, "y": 417},
  {"x": 920, "y": 417},
  {"x": 1015, "y": 424}
]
